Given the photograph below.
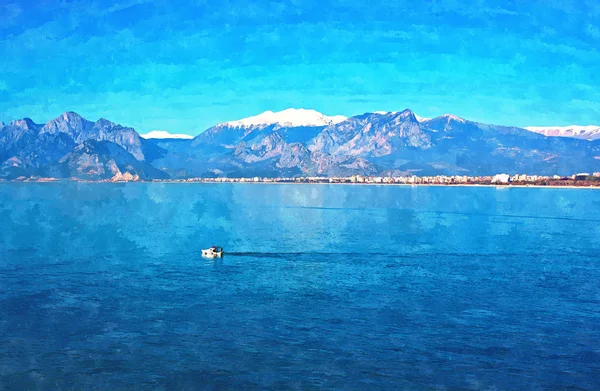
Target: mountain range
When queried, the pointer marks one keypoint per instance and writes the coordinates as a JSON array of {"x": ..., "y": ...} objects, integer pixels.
[{"x": 289, "y": 143}]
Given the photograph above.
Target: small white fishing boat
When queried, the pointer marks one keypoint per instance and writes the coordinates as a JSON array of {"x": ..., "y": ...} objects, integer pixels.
[{"x": 214, "y": 252}]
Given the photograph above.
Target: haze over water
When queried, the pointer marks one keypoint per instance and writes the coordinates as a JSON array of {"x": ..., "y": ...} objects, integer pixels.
[{"x": 322, "y": 287}]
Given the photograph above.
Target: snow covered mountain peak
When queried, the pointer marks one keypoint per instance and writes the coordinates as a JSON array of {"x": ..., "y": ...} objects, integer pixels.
[
  {"x": 589, "y": 132},
  {"x": 163, "y": 134},
  {"x": 421, "y": 119},
  {"x": 288, "y": 117},
  {"x": 453, "y": 117}
]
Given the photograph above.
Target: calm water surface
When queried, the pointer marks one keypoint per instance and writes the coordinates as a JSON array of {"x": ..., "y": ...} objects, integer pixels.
[{"x": 323, "y": 287}]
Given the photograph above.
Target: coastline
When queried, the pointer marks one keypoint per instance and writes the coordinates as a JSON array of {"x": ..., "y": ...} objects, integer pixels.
[{"x": 481, "y": 185}]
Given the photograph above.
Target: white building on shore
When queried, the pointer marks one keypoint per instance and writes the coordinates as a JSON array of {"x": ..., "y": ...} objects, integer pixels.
[{"x": 501, "y": 178}]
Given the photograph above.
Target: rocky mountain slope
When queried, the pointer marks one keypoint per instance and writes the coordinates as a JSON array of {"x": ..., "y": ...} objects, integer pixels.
[
  {"x": 399, "y": 143},
  {"x": 291, "y": 143},
  {"x": 70, "y": 145}
]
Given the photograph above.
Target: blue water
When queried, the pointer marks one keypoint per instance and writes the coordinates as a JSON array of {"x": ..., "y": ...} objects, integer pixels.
[{"x": 323, "y": 287}]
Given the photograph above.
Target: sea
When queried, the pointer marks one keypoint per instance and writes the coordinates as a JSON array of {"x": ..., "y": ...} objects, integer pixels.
[{"x": 321, "y": 287}]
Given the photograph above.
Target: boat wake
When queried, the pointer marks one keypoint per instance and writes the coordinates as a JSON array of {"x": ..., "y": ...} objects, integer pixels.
[
  {"x": 323, "y": 254},
  {"x": 388, "y": 255}
]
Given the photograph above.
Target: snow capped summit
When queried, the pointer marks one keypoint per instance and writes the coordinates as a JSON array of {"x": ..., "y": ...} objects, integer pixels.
[
  {"x": 590, "y": 132},
  {"x": 288, "y": 117},
  {"x": 453, "y": 117},
  {"x": 421, "y": 119},
  {"x": 162, "y": 134}
]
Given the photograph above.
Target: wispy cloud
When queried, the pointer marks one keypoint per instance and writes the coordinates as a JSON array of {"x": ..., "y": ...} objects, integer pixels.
[{"x": 201, "y": 62}]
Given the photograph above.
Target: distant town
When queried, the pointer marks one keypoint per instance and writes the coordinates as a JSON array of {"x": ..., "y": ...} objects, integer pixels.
[{"x": 580, "y": 180}]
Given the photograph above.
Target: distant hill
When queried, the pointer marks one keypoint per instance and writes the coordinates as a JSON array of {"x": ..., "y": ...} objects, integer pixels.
[{"x": 290, "y": 143}]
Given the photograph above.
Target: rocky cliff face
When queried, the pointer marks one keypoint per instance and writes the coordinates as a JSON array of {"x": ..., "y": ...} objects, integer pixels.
[
  {"x": 95, "y": 160},
  {"x": 372, "y": 135},
  {"x": 30, "y": 149},
  {"x": 79, "y": 130}
]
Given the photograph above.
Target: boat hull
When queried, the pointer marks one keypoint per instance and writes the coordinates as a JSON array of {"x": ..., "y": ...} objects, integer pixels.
[{"x": 212, "y": 254}]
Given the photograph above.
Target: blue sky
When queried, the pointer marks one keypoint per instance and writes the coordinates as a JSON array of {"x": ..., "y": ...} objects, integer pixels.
[{"x": 186, "y": 66}]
